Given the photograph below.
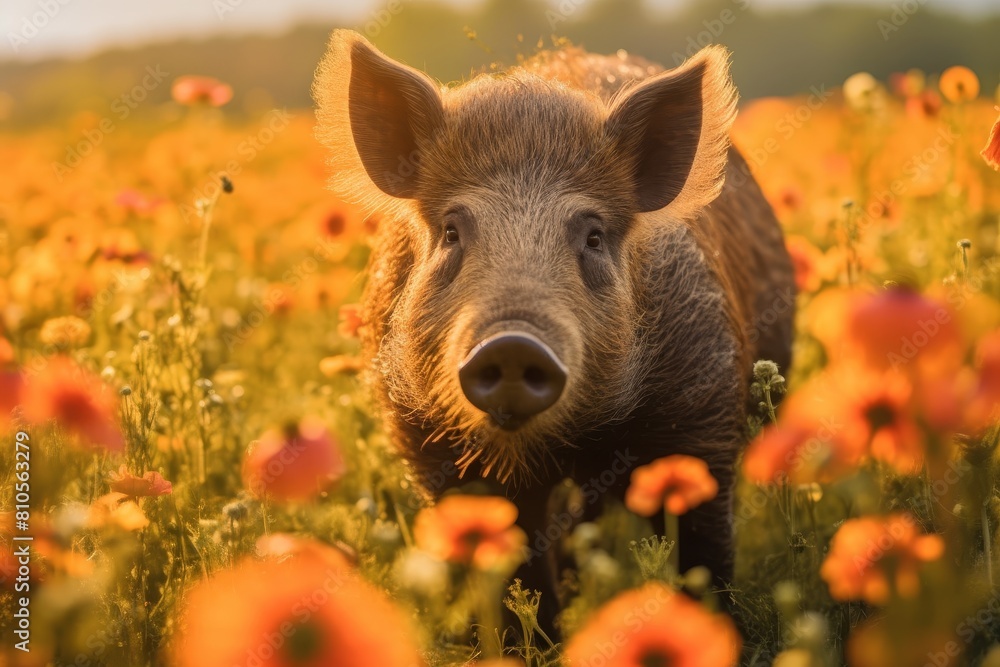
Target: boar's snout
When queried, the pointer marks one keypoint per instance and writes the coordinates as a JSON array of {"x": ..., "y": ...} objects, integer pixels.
[{"x": 513, "y": 376}]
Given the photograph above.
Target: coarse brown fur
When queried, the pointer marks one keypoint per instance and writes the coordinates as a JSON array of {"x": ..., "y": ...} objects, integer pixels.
[{"x": 658, "y": 330}]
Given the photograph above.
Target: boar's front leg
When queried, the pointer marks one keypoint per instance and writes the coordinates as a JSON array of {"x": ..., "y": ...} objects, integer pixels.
[{"x": 539, "y": 572}]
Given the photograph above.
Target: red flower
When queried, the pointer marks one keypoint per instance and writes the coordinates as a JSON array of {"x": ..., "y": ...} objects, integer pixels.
[
  {"x": 150, "y": 484},
  {"x": 295, "y": 464},
  {"x": 679, "y": 483},
  {"x": 193, "y": 90},
  {"x": 77, "y": 400}
]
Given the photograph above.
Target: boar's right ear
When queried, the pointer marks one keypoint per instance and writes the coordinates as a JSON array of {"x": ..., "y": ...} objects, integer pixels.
[
  {"x": 373, "y": 113},
  {"x": 674, "y": 130}
]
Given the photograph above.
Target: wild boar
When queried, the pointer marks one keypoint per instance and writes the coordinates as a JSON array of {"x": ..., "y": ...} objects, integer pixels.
[{"x": 572, "y": 276}]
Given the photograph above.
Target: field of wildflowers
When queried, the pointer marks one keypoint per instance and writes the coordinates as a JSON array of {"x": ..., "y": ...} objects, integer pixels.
[{"x": 187, "y": 444}]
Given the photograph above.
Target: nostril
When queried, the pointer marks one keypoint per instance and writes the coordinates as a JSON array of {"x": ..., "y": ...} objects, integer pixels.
[
  {"x": 489, "y": 376},
  {"x": 536, "y": 378},
  {"x": 514, "y": 373}
]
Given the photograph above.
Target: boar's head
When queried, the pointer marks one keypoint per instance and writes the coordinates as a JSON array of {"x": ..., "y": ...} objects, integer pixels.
[{"x": 515, "y": 205}]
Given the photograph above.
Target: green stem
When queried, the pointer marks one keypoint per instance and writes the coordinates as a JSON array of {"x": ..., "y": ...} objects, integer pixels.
[
  {"x": 770, "y": 404},
  {"x": 206, "y": 224},
  {"x": 672, "y": 531},
  {"x": 987, "y": 544},
  {"x": 489, "y": 591}
]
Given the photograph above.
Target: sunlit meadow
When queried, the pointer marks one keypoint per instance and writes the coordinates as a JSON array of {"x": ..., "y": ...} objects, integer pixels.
[{"x": 206, "y": 482}]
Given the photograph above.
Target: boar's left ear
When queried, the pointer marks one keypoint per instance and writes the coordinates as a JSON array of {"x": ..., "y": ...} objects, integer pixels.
[
  {"x": 674, "y": 129},
  {"x": 375, "y": 115}
]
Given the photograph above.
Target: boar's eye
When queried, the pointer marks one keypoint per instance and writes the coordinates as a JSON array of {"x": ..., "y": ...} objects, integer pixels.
[
  {"x": 450, "y": 235},
  {"x": 595, "y": 241}
]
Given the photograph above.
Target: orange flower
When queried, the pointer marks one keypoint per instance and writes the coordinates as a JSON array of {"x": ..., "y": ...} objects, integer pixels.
[
  {"x": 350, "y": 320},
  {"x": 471, "y": 530},
  {"x": 679, "y": 483},
  {"x": 895, "y": 327},
  {"x": 298, "y": 611},
  {"x": 831, "y": 425},
  {"x": 866, "y": 552},
  {"x": 295, "y": 464},
  {"x": 654, "y": 625},
  {"x": 810, "y": 442},
  {"x": 150, "y": 484},
  {"x": 826, "y": 318},
  {"x": 77, "y": 400},
  {"x": 880, "y": 410},
  {"x": 991, "y": 153},
  {"x": 193, "y": 90},
  {"x": 806, "y": 259},
  {"x": 959, "y": 84}
]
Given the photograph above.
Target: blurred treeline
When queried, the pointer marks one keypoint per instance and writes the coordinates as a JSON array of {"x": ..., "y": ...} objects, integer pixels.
[{"x": 775, "y": 52}]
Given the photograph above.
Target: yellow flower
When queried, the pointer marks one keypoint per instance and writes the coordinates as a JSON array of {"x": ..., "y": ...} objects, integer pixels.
[{"x": 65, "y": 333}]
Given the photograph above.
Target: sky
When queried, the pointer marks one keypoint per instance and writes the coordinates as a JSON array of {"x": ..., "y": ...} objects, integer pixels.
[{"x": 37, "y": 29}]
